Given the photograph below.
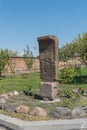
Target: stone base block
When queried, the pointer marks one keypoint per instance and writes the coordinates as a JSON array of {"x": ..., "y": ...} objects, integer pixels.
[{"x": 48, "y": 90}]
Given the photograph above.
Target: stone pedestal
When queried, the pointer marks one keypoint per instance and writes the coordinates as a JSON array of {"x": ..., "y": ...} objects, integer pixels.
[{"x": 48, "y": 90}]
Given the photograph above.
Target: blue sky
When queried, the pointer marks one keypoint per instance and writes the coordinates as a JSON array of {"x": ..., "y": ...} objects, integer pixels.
[{"x": 22, "y": 21}]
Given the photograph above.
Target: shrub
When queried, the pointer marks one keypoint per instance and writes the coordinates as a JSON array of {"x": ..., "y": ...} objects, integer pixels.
[
  {"x": 28, "y": 57},
  {"x": 67, "y": 74},
  {"x": 67, "y": 93}
]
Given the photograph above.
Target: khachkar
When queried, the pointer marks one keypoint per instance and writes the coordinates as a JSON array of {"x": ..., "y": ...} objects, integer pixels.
[{"x": 48, "y": 50}]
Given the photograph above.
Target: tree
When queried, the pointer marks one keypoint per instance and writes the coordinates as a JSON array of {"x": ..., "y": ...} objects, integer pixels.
[
  {"x": 13, "y": 53},
  {"x": 78, "y": 47},
  {"x": 81, "y": 47},
  {"x": 28, "y": 57},
  {"x": 4, "y": 59},
  {"x": 66, "y": 52}
]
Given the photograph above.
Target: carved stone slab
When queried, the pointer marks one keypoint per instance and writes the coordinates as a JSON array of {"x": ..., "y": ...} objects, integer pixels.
[{"x": 48, "y": 50}]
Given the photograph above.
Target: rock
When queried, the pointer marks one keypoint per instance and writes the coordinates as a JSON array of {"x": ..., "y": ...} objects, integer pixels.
[
  {"x": 2, "y": 106},
  {"x": 75, "y": 90},
  {"x": 10, "y": 107},
  {"x": 61, "y": 112},
  {"x": 2, "y": 100},
  {"x": 10, "y": 94},
  {"x": 85, "y": 93},
  {"x": 39, "y": 112},
  {"x": 78, "y": 112},
  {"x": 22, "y": 109},
  {"x": 15, "y": 93},
  {"x": 48, "y": 90},
  {"x": 85, "y": 108},
  {"x": 5, "y": 96}
]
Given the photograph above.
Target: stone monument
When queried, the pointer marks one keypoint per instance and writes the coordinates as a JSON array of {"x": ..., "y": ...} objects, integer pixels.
[{"x": 48, "y": 53}]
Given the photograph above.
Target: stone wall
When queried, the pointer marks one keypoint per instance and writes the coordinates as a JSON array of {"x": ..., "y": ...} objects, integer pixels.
[
  {"x": 74, "y": 62},
  {"x": 18, "y": 65}
]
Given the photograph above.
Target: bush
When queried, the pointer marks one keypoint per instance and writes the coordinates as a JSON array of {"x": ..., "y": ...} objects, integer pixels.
[
  {"x": 67, "y": 74},
  {"x": 28, "y": 57},
  {"x": 67, "y": 93}
]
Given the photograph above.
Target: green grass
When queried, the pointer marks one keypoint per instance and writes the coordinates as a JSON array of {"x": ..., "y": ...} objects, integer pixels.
[
  {"x": 72, "y": 86},
  {"x": 19, "y": 82},
  {"x": 84, "y": 71},
  {"x": 25, "y": 81},
  {"x": 77, "y": 77}
]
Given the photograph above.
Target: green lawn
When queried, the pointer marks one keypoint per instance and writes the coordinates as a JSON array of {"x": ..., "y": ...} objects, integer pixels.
[
  {"x": 19, "y": 82},
  {"x": 25, "y": 81}
]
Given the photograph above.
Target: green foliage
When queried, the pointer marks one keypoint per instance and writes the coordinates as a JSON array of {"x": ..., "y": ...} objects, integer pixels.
[
  {"x": 66, "y": 52},
  {"x": 68, "y": 103},
  {"x": 28, "y": 57},
  {"x": 77, "y": 69},
  {"x": 4, "y": 59},
  {"x": 67, "y": 74},
  {"x": 78, "y": 47},
  {"x": 29, "y": 91},
  {"x": 67, "y": 93},
  {"x": 81, "y": 47},
  {"x": 13, "y": 53}
]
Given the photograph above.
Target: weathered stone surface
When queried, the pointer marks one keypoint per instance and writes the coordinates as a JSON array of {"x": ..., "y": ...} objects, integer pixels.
[
  {"x": 10, "y": 107},
  {"x": 22, "y": 109},
  {"x": 61, "y": 112},
  {"x": 85, "y": 93},
  {"x": 75, "y": 90},
  {"x": 2, "y": 106},
  {"x": 85, "y": 108},
  {"x": 2, "y": 100},
  {"x": 13, "y": 93},
  {"x": 48, "y": 90},
  {"x": 78, "y": 112},
  {"x": 39, "y": 112},
  {"x": 18, "y": 65},
  {"x": 5, "y": 96},
  {"x": 48, "y": 50}
]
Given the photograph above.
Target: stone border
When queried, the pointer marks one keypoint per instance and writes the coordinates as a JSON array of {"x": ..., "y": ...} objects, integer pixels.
[{"x": 16, "y": 124}]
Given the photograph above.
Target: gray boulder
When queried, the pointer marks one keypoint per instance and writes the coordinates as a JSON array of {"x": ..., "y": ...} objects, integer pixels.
[
  {"x": 2, "y": 106},
  {"x": 61, "y": 112},
  {"x": 78, "y": 112},
  {"x": 85, "y": 108},
  {"x": 2, "y": 100},
  {"x": 85, "y": 93},
  {"x": 10, "y": 107},
  {"x": 38, "y": 111}
]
